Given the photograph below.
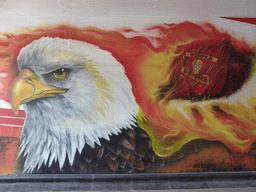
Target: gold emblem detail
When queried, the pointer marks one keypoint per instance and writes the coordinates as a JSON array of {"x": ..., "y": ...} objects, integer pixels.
[
  {"x": 202, "y": 56},
  {"x": 196, "y": 65},
  {"x": 194, "y": 78}
]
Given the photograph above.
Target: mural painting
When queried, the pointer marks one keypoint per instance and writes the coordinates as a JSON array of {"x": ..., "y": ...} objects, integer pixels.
[{"x": 171, "y": 98}]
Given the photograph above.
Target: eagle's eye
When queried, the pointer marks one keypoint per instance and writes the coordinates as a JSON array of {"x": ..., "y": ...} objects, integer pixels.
[{"x": 60, "y": 74}]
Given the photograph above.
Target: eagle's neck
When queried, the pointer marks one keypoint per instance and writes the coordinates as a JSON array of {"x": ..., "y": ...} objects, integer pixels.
[{"x": 54, "y": 129}]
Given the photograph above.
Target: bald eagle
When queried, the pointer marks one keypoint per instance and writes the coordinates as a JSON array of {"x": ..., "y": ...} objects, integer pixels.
[{"x": 80, "y": 110}]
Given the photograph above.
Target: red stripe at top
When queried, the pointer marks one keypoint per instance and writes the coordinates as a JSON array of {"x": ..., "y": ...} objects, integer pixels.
[
  {"x": 11, "y": 121},
  {"x": 249, "y": 20},
  {"x": 9, "y": 113}
]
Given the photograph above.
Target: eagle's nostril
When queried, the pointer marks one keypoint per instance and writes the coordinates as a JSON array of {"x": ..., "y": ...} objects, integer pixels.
[{"x": 30, "y": 80}]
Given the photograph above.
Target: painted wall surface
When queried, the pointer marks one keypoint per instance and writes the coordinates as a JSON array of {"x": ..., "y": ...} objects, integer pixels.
[{"x": 127, "y": 87}]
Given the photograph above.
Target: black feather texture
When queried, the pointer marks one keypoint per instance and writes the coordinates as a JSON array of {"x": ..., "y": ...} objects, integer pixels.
[{"x": 128, "y": 152}]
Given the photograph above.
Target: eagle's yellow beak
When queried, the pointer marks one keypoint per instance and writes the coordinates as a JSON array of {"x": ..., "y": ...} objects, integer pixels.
[{"x": 28, "y": 87}]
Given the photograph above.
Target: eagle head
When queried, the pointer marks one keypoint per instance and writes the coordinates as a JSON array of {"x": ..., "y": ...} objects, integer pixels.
[{"x": 74, "y": 94}]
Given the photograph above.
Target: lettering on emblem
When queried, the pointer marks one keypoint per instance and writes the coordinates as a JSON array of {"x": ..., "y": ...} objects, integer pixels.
[{"x": 197, "y": 77}]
